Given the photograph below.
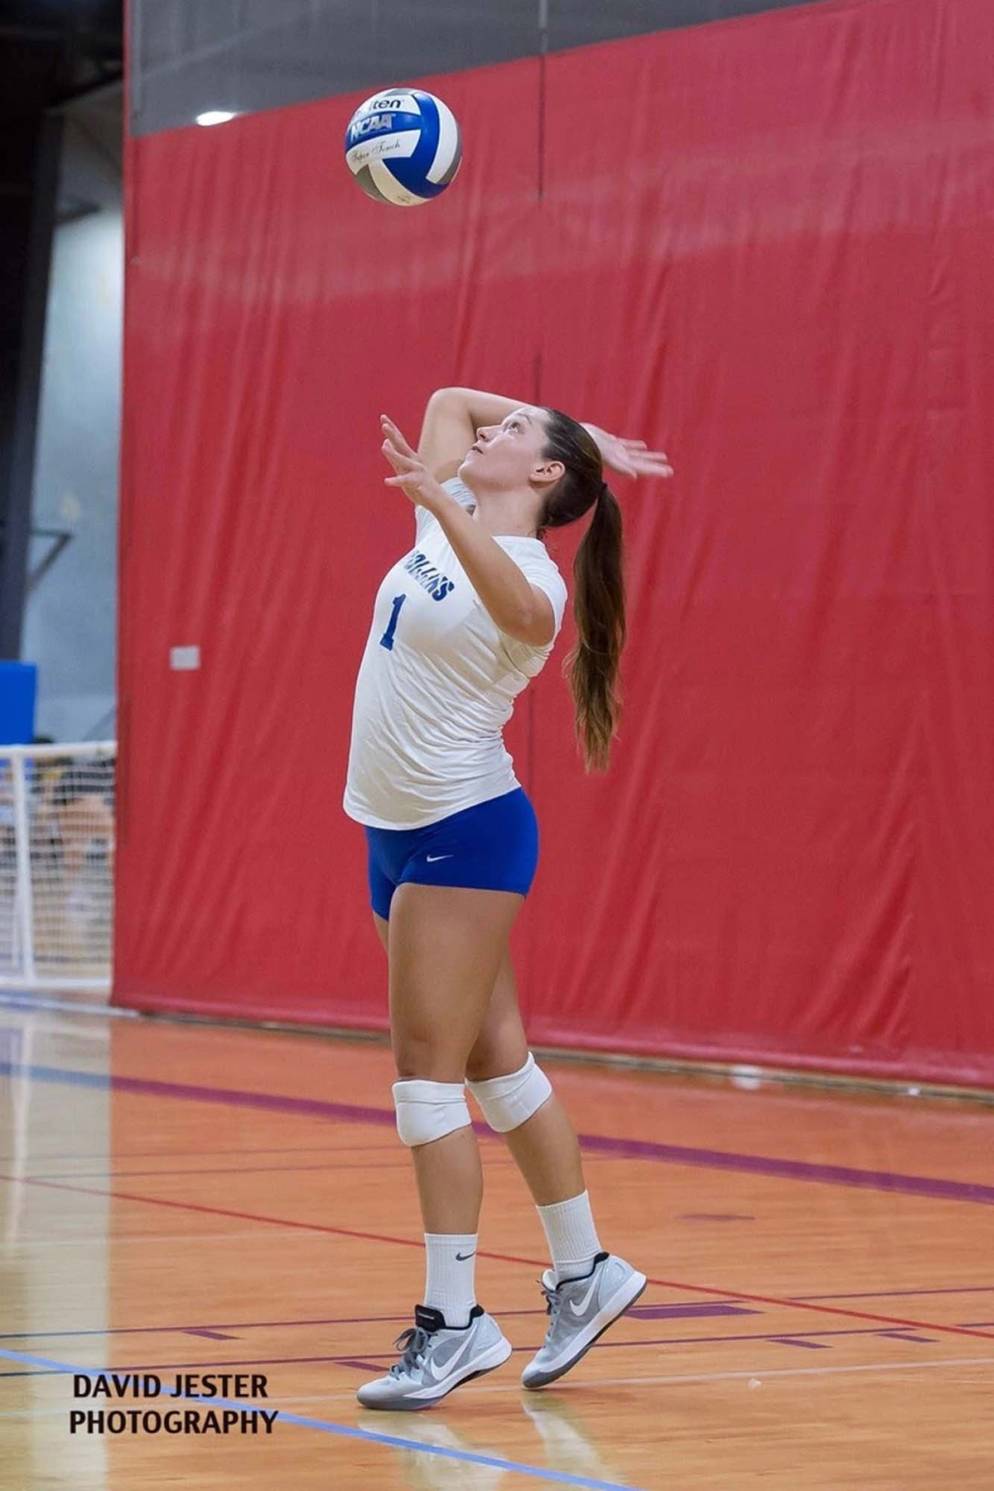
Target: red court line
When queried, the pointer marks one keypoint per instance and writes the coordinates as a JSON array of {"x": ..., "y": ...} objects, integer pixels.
[
  {"x": 407, "y": 1242},
  {"x": 769, "y": 1299},
  {"x": 249, "y": 1325}
]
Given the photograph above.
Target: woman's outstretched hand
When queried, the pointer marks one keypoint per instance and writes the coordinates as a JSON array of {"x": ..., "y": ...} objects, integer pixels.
[
  {"x": 412, "y": 475},
  {"x": 630, "y": 457}
]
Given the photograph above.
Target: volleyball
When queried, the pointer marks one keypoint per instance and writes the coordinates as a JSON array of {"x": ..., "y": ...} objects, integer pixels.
[{"x": 403, "y": 146}]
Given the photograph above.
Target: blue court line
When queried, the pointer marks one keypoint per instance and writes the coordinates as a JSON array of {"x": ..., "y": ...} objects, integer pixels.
[
  {"x": 643, "y": 1149},
  {"x": 343, "y": 1431}
]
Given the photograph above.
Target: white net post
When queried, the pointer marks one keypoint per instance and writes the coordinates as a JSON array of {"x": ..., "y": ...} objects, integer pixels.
[
  {"x": 23, "y": 909},
  {"x": 56, "y": 866}
]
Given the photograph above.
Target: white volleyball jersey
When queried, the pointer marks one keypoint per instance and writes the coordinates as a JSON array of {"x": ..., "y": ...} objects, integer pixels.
[{"x": 437, "y": 684}]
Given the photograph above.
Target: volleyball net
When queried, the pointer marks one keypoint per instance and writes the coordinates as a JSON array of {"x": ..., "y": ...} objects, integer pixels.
[{"x": 57, "y": 816}]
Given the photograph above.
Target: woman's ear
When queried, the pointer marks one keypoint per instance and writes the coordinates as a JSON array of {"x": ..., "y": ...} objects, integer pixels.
[{"x": 547, "y": 473}]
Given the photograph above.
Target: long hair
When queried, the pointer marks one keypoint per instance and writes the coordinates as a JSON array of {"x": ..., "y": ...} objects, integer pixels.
[{"x": 599, "y": 589}]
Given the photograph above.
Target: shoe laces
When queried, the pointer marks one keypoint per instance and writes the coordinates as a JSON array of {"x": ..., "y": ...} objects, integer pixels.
[
  {"x": 413, "y": 1343},
  {"x": 553, "y": 1302}
]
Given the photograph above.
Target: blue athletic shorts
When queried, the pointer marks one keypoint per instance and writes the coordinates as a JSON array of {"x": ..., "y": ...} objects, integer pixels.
[{"x": 492, "y": 846}]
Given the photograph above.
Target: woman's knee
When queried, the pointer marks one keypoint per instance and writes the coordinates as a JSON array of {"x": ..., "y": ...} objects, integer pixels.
[
  {"x": 496, "y": 1055},
  {"x": 501, "y": 1045},
  {"x": 509, "y": 1100},
  {"x": 427, "y": 1110},
  {"x": 425, "y": 1056}
]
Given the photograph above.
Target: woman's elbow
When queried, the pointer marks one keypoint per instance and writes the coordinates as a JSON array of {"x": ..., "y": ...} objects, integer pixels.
[{"x": 534, "y": 625}]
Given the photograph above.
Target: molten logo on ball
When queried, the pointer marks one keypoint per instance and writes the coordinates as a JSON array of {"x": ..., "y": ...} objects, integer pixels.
[{"x": 403, "y": 147}]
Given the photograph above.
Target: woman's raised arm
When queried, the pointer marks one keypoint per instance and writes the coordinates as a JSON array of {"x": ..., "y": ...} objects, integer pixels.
[{"x": 452, "y": 418}]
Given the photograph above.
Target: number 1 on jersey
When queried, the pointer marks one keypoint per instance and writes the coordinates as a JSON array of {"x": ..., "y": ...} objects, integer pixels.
[{"x": 387, "y": 639}]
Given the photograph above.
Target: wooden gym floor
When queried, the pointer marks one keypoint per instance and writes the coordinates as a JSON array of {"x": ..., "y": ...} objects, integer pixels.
[{"x": 185, "y": 1199}]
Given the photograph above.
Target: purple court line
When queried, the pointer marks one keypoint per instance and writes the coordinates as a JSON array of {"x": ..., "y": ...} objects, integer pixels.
[
  {"x": 227, "y": 1330},
  {"x": 289, "y": 1223},
  {"x": 796, "y": 1341},
  {"x": 229, "y": 1325},
  {"x": 781, "y": 1169},
  {"x": 198, "y": 1154},
  {"x": 262, "y": 1361},
  {"x": 333, "y": 1165},
  {"x": 931, "y": 1187},
  {"x": 403, "y": 1163},
  {"x": 895, "y": 1293},
  {"x": 248, "y": 1325},
  {"x": 376, "y": 1358}
]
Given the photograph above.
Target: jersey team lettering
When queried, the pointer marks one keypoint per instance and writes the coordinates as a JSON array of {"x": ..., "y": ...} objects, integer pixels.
[{"x": 427, "y": 575}]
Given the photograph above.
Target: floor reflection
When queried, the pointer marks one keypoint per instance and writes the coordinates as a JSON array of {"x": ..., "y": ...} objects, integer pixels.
[{"x": 567, "y": 1445}]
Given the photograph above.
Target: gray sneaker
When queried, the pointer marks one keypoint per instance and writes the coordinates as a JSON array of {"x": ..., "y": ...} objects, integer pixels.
[
  {"x": 580, "y": 1310},
  {"x": 435, "y": 1358}
]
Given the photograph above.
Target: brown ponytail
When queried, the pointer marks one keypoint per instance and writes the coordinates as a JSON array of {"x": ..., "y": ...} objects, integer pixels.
[
  {"x": 599, "y": 608},
  {"x": 599, "y": 591}
]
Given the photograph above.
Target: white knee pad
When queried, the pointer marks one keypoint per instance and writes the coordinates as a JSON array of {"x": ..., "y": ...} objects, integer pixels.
[
  {"x": 429, "y": 1110},
  {"x": 508, "y": 1102}
]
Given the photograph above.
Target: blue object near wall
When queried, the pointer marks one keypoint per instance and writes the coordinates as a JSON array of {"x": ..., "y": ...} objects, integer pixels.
[{"x": 18, "y": 691}]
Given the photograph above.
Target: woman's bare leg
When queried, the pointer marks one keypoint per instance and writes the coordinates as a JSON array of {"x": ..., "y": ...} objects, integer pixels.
[
  {"x": 545, "y": 1147},
  {"x": 445, "y": 947}
]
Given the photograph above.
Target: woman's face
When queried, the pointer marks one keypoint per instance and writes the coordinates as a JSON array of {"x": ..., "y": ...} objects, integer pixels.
[{"x": 509, "y": 455}]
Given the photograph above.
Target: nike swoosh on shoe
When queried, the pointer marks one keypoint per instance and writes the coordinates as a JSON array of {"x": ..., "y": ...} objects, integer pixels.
[
  {"x": 452, "y": 1361},
  {"x": 581, "y": 1309}
]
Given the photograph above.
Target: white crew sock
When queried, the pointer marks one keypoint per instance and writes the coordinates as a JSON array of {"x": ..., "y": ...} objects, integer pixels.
[
  {"x": 571, "y": 1235},
  {"x": 450, "y": 1281}
]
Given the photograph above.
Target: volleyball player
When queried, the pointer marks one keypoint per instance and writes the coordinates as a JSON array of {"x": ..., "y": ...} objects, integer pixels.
[{"x": 460, "y": 626}]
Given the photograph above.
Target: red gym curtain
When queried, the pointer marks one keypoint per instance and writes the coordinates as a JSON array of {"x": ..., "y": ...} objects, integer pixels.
[{"x": 767, "y": 244}]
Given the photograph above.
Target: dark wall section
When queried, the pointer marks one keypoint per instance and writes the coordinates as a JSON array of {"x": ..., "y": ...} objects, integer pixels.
[
  {"x": 576, "y": 23},
  {"x": 28, "y": 181},
  {"x": 190, "y": 56},
  {"x": 49, "y": 54}
]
